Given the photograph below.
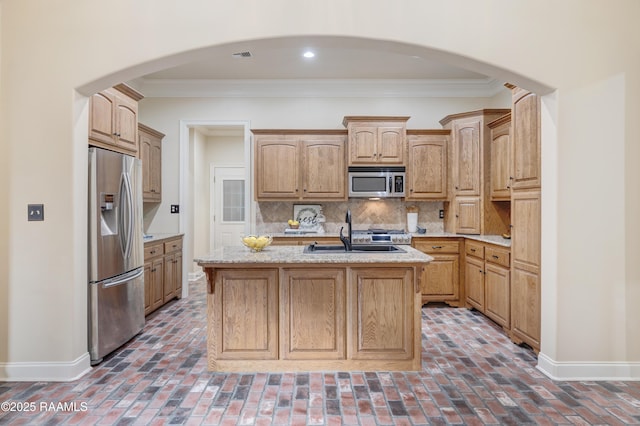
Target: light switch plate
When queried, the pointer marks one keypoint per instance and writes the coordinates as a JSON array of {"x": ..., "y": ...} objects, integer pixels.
[
  {"x": 175, "y": 208},
  {"x": 35, "y": 212}
]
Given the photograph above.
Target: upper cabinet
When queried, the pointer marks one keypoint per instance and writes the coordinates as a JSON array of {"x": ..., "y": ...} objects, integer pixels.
[
  {"x": 500, "y": 159},
  {"x": 376, "y": 140},
  {"x": 300, "y": 165},
  {"x": 151, "y": 157},
  {"x": 469, "y": 209},
  {"x": 526, "y": 139},
  {"x": 427, "y": 164},
  {"x": 113, "y": 119}
]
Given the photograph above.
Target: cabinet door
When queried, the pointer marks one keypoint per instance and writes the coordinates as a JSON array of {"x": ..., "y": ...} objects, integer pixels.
[
  {"x": 526, "y": 140},
  {"x": 467, "y": 156},
  {"x": 441, "y": 278},
  {"x": 249, "y": 333},
  {"x": 390, "y": 145},
  {"x": 474, "y": 280},
  {"x": 468, "y": 215},
  {"x": 427, "y": 168},
  {"x": 177, "y": 274},
  {"x": 324, "y": 171},
  {"x": 169, "y": 284},
  {"x": 127, "y": 123},
  {"x": 382, "y": 312},
  {"x": 277, "y": 169},
  {"x": 526, "y": 228},
  {"x": 500, "y": 159},
  {"x": 147, "y": 287},
  {"x": 363, "y": 145},
  {"x": 312, "y": 321},
  {"x": 498, "y": 294},
  {"x": 102, "y": 117},
  {"x": 157, "y": 283},
  {"x": 525, "y": 306},
  {"x": 150, "y": 149}
]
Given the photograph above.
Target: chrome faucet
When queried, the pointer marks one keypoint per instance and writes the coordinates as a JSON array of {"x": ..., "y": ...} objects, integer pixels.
[{"x": 346, "y": 241}]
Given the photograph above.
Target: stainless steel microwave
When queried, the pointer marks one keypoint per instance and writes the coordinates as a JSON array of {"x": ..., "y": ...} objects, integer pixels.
[{"x": 376, "y": 182}]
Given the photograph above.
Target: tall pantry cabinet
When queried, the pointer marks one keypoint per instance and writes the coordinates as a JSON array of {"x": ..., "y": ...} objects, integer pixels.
[{"x": 525, "y": 218}]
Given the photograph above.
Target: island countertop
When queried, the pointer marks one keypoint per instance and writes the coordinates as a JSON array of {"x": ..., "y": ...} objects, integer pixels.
[{"x": 295, "y": 255}]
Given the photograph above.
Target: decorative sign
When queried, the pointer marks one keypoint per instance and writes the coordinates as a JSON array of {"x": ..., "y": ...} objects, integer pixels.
[{"x": 307, "y": 215}]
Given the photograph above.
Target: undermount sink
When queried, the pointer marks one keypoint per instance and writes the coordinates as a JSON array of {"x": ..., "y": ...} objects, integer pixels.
[{"x": 356, "y": 248}]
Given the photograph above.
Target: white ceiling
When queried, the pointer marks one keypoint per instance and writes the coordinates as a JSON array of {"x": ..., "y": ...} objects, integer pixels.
[{"x": 349, "y": 67}]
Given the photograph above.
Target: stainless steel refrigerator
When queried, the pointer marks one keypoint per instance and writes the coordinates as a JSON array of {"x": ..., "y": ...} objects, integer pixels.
[{"x": 116, "y": 251}]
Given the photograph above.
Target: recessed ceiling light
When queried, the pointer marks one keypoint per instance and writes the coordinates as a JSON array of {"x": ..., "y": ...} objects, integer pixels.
[{"x": 308, "y": 54}]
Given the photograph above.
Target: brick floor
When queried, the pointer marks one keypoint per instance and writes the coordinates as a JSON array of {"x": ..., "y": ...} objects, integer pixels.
[{"x": 471, "y": 374}]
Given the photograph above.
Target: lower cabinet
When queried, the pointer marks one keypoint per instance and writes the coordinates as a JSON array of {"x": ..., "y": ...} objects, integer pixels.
[
  {"x": 440, "y": 281},
  {"x": 487, "y": 283},
  {"x": 162, "y": 272}
]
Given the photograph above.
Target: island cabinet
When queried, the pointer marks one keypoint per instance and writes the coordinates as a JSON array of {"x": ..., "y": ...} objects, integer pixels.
[
  {"x": 376, "y": 140},
  {"x": 113, "y": 119},
  {"x": 469, "y": 209},
  {"x": 487, "y": 281},
  {"x": 279, "y": 311},
  {"x": 162, "y": 272},
  {"x": 427, "y": 164},
  {"x": 441, "y": 278},
  {"x": 300, "y": 165},
  {"x": 151, "y": 158}
]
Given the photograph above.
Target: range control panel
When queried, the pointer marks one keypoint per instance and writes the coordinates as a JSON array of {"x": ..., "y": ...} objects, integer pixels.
[{"x": 368, "y": 237}]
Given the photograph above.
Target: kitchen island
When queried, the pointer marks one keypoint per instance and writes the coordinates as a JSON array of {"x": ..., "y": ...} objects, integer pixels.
[{"x": 285, "y": 310}]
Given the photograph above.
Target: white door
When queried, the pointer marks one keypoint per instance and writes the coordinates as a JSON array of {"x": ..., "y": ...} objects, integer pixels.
[{"x": 228, "y": 221}]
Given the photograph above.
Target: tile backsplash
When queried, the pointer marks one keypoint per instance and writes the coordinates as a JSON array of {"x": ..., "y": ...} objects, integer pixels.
[{"x": 390, "y": 213}]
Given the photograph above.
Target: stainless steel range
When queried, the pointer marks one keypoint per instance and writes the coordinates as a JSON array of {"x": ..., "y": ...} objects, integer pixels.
[{"x": 381, "y": 236}]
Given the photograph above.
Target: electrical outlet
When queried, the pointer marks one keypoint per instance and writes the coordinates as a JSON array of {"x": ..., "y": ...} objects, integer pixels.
[
  {"x": 35, "y": 212},
  {"x": 441, "y": 214},
  {"x": 175, "y": 208}
]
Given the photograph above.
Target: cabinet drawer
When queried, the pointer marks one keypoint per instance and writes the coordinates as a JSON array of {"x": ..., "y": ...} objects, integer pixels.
[
  {"x": 497, "y": 256},
  {"x": 437, "y": 246},
  {"x": 474, "y": 249},
  {"x": 173, "y": 245},
  {"x": 153, "y": 250}
]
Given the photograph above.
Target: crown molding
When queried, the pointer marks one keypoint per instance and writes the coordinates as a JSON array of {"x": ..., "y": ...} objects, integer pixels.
[{"x": 317, "y": 88}]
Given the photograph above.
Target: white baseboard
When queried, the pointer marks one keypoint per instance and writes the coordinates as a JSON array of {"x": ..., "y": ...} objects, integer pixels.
[
  {"x": 45, "y": 371},
  {"x": 590, "y": 371}
]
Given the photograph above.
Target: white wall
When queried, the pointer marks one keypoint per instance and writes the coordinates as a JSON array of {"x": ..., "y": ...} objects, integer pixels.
[{"x": 51, "y": 48}]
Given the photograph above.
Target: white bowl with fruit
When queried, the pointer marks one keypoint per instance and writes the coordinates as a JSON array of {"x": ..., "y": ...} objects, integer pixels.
[{"x": 257, "y": 243}]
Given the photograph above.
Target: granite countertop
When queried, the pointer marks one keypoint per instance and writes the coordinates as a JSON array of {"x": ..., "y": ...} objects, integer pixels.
[
  {"x": 294, "y": 255},
  {"x": 152, "y": 238},
  {"x": 493, "y": 239}
]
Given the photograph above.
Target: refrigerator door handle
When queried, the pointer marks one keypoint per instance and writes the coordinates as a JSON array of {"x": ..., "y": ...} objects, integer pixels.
[
  {"x": 130, "y": 214},
  {"x": 123, "y": 278},
  {"x": 122, "y": 235}
]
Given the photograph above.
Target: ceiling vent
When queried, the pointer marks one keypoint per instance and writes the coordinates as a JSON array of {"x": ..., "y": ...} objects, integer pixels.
[{"x": 246, "y": 54}]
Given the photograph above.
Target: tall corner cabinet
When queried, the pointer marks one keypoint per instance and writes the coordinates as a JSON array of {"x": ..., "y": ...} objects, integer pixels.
[
  {"x": 469, "y": 209},
  {"x": 525, "y": 218}
]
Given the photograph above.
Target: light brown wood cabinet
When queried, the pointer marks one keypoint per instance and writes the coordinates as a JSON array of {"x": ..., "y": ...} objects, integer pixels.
[
  {"x": 469, "y": 209},
  {"x": 113, "y": 119},
  {"x": 441, "y": 277},
  {"x": 162, "y": 272},
  {"x": 382, "y": 311},
  {"x": 526, "y": 152},
  {"x": 151, "y": 157},
  {"x": 376, "y": 140},
  {"x": 313, "y": 313},
  {"x": 487, "y": 282},
  {"x": 313, "y": 317},
  {"x": 500, "y": 159},
  {"x": 427, "y": 164},
  {"x": 525, "y": 272},
  {"x": 250, "y": 333},
  {"x": 300, "y": 165}
]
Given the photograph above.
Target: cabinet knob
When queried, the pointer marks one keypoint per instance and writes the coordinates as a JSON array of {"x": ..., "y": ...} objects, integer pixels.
[
  {"x": 436, "y": 247},
  {"x": 473, "y": 250},
  {"x": 495, "y": 257}
]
